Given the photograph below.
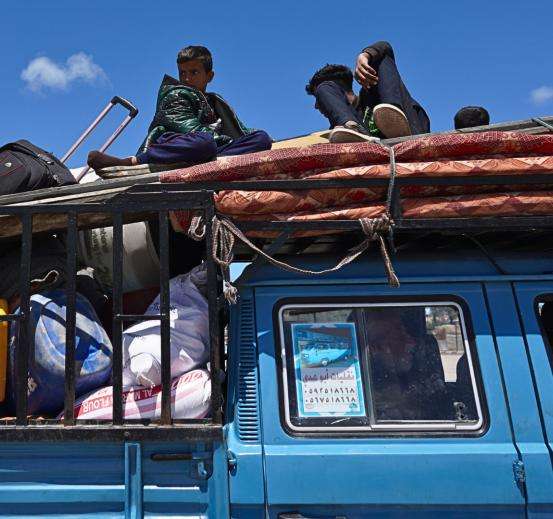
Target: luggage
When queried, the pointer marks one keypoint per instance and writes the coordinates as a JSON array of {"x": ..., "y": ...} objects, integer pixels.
[
  {"x": 189, "y": 333},
  {"x": 26, "y": 167},
  {"x": 190, "y": 398},
  {"x": 48, "y": 266},
  {"x": 93, "y": 352},
  {"x": 139, "y": 255}
]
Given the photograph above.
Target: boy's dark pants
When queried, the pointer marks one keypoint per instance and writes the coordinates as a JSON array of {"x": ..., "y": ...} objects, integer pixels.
[
  {"x": 333, "y": 104},
  {"x": 198, "y": 147},
  {"x": 194, "y": 147}
]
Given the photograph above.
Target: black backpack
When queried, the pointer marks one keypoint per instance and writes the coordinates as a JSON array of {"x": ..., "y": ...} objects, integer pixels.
[{"x": 26, "y": 167}]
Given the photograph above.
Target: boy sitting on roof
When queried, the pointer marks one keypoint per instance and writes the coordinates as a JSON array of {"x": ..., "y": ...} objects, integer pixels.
[
  {"x": 190, "y": 125},
  {"x": 384, "y": 106}
]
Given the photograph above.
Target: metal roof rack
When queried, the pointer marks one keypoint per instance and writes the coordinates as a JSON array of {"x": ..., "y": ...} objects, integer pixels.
[{"x": 132, "y": 189}]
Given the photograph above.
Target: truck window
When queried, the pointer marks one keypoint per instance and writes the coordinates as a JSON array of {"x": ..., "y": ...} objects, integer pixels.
[{"x": 377, "y": 367}]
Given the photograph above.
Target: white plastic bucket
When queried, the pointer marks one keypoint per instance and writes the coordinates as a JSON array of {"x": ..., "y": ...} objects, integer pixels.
[{"x": 140, "y": 259}]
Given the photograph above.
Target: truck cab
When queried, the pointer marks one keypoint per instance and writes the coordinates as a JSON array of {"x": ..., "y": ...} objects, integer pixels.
[{"x": 463, "y": 428}]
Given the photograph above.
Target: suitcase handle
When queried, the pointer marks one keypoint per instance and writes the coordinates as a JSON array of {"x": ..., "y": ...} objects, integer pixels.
[{"x": 133, "y": 111}]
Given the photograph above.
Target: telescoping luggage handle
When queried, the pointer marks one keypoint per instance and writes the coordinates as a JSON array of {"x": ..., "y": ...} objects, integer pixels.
[{"x": 133, "y": 111}]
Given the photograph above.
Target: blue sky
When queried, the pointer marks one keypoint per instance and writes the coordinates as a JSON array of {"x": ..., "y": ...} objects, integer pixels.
[{"x": 494, "y": 53}]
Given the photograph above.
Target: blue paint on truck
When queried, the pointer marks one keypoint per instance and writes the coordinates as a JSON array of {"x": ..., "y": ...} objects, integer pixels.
[{"x": 461, "y": 427}]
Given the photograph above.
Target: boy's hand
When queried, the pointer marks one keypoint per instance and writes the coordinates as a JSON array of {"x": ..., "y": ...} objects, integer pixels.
[{"x": 364, "y": 73}]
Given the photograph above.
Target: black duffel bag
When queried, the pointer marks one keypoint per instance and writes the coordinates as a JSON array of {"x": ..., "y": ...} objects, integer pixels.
[{"x": 26, "y": 167}]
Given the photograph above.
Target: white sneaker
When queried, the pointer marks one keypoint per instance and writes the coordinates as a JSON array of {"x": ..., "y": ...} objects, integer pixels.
[
  {"x": 391, "y": 121},
  {"x": 350, "y": 132}
]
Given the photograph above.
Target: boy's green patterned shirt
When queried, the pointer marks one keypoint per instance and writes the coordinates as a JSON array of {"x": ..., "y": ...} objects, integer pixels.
[{"x": 368, "y": 123}]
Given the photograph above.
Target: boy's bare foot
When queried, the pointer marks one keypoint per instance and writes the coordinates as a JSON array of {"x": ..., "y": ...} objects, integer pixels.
[{"x": 98, "y": 160}]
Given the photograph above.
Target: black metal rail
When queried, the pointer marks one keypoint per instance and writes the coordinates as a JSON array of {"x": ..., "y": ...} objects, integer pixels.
[
  {"x": 542, "y": 180},
  {"x": 159, "y": 199},
  {"x": 24, "y": 428}
]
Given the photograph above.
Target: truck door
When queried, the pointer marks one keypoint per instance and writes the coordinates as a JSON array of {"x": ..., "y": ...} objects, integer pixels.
[
  {"x": 534, "y": 302},
  {"x": 384, "y": 406}
]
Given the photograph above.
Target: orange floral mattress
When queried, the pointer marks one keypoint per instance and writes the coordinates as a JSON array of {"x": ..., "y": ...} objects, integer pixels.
[{"x": 454, "y": 155}]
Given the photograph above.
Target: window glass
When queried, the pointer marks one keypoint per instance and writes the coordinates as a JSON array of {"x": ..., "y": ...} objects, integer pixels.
[{"x": 373, "y": 366}]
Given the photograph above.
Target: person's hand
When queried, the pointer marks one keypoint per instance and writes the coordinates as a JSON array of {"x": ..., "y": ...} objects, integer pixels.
[{"x": 365, "y": 75}]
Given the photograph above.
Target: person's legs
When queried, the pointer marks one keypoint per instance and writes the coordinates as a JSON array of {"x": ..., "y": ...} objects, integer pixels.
[
  {"x": 333, "y": 104},
  {"x": 390, "y": 92},
  {"x": 255, "y": 141},
  {"x": 346, "y": 122},
  {"x": 170, "y": 147},
  {"x": 422, "y": 124},
  {"x": 386, "y": 99},
  {"x": 389, "y": 86}
]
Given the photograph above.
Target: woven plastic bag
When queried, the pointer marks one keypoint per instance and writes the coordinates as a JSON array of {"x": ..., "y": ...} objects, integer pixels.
[
  {"x": 189, "y": 334},
  {"x": 190, "y": 398}
]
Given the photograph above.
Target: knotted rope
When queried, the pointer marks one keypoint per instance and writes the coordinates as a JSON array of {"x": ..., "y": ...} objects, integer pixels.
[
  {"x": 226, "y": 232},
  {"x": 374, "y": 229},
  {"x": 222, "y": 245}
]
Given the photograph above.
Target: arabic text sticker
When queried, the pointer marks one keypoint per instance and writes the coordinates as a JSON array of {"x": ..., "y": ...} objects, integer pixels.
[{"x": 328, "y": 376}]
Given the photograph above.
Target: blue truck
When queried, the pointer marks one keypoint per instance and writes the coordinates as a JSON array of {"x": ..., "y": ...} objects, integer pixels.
[
  {"x": 271, "y": 457},
  {"x": 332, "y": 397}
]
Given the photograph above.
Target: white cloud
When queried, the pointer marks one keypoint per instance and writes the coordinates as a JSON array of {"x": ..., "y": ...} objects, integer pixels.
[
  {"x": 43, "y": 73},
  {"x": 542, "y": 95}
]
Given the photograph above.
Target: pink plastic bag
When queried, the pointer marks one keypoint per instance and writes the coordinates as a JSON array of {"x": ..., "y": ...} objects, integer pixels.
[{"x": 190, "y": 398}]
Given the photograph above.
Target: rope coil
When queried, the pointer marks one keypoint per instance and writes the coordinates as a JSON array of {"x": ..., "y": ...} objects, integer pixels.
[
  {"x": 196, "y": 231},
  {"x": 392, "y": 183}
]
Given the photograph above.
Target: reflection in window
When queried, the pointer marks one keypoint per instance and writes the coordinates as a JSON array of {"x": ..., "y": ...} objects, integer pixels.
[
  {"x": 408, "y": 363},
  {"x": 377, "y": 365}
]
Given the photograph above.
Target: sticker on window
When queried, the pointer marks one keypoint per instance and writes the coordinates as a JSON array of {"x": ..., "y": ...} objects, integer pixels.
[{"x": 328, "y": 374}]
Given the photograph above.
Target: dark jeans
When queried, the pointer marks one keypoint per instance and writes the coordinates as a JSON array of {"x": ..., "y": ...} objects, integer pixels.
[
  {"x": 194, "y": 147},
  {"x": 333, "y": 104},
  {"x": 198, "y": 147}
]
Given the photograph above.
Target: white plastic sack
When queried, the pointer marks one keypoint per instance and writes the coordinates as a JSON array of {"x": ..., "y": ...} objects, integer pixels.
[
  {"x": 140, "y": 256},
  {"x": 189, "y": 333},
  {"x": 190, "y": 397}
]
